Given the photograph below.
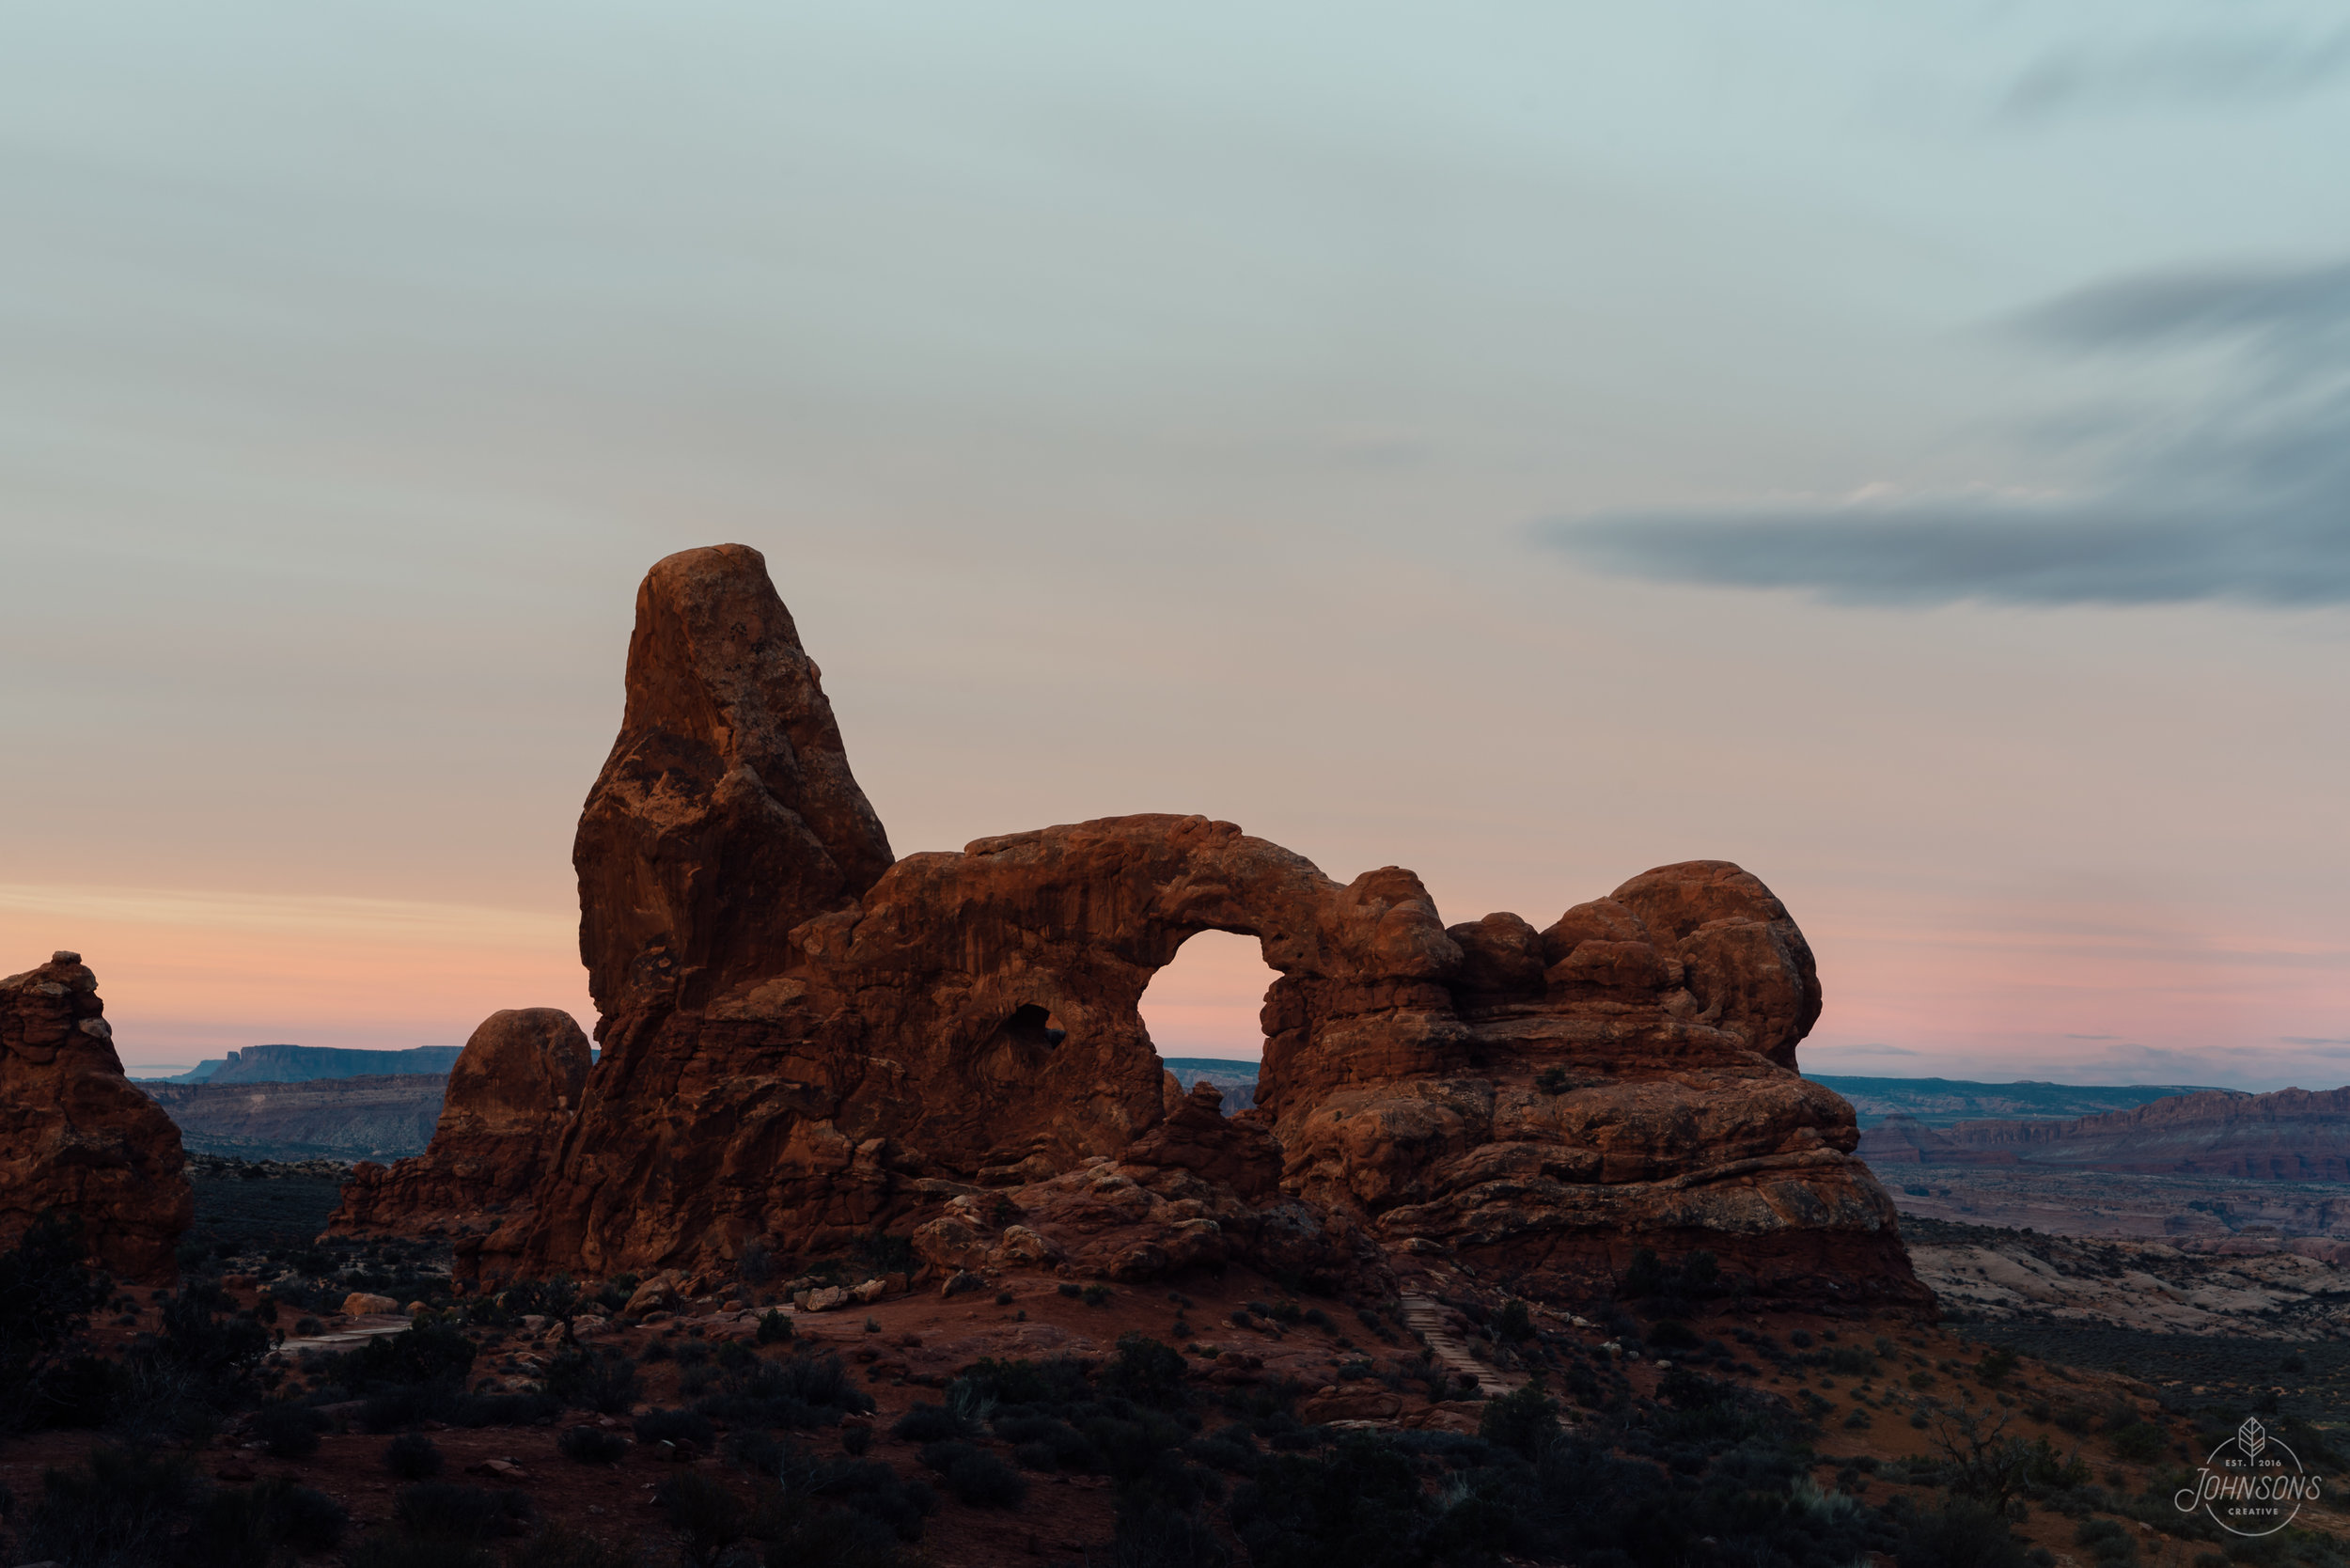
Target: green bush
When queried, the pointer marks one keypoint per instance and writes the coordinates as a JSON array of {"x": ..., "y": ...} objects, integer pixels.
[{"x": 774, "y": 1328}]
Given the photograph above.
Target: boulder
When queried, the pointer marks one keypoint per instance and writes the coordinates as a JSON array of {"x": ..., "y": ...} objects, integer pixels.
[
  {"x": 1350, "y": 1401},
  {"x": 365, "y": 1304},
  {"x": 79, "y": 1137},
  {"x": 515, "y": 1088}
]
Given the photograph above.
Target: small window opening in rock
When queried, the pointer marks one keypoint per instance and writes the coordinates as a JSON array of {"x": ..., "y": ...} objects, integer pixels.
[
  {"x": 1202, "y": 1011},
  {"x": 1031, "y": 1025}
]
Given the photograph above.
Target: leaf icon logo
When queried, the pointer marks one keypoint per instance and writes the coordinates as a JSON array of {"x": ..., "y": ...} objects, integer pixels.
[{"x": 2252, "y": 1438}]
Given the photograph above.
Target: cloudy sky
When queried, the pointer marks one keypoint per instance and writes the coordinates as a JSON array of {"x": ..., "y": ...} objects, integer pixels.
[{"x": 1899, "y": 448}]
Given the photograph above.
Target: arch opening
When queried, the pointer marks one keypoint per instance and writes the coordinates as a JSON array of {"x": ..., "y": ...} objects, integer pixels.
[{"x": 1201, "y": 1010}]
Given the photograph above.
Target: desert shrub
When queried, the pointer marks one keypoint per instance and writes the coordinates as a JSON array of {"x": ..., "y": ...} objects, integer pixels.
[
  {"x": 855, "y": 1440},
  {"x": 176, "y": 1385},
  {"x": 1145, "y": 1370},
  {"x": 47, "y": 1293},
  {"x": 982, "y": 1481},
  {"x": 429, "y": 1353},
  {"x": 878, "y": 1253},
  {"x": 1513, "y": 1323},
  {"x": 774, "y": 1329},
  {"x": 2108, "y": 1541},
  {"x": 475, "y": 1411},
  {"x": 707, "y": 1518},
  {"x": 1070, "y": 1287},
  {"x": 676, "y": 1426},
  {"x": 117, "y": 1507},
  {"x": 801, "y": 1391},
  {"x": 927, "y": 1423},
  {"x": 1961, "y": 1534},
  {"x": 557, "y": 1547},
  {"x": 1672, "y": 1334},
  {"x": 1152, "y": 1534},
  {"x": 287, "y": 1431},
  {"x": 587, "y": 1444},
  {"x": 1055, "y": 1381},
  {"x": 1523, "y": 1422},
  {"x": 1095, "y": 1295},
  {"x": 270, "y": 1522},
  {"x": 412, "y": 1456},
  {"x": 872, "y": 1488},
  {"x": 441, "y": 1511},
  {"x": 2136, "y": 1442},
  {"x": 1997, "y": 1366},
  {"x": 599, "y": 1380},
  {"x": 836, "y": 1538},
  {"x": 406, "y": 1551}
]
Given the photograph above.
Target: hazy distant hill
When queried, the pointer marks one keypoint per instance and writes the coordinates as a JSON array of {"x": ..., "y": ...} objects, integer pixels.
[
  {"x": 1940, "y": 1102},
  {"x": 379, "y": 1117},
  {"x": 1237, "y": 1079},
  {"x": 295, "y": 1064},
  {"x": 2290, "y": 1135}
]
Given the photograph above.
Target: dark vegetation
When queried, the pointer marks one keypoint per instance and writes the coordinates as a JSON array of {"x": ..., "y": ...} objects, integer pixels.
[{"x": 2239, "y": 1372}]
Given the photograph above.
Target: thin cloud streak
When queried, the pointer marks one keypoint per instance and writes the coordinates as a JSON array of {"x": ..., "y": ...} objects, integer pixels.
[
  {"x": 2243, "y": 494},
  {"x": 2200, "y": 71}
]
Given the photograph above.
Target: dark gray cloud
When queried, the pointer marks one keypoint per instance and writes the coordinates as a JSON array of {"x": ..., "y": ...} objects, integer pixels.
[
  {"x": 2240, "y": 490},
  {"x": 2215, "y": 70}
]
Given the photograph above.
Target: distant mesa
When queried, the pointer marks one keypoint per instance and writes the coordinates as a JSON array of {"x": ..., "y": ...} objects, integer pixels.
[
  {"x": 377, "y": 1116},
  {"x": 1940, "y": 1102},
  {"x": 807, "y": 1038},
  {"x": 295, "y": 1064},
  {"x": 2293, "y": 1135}
]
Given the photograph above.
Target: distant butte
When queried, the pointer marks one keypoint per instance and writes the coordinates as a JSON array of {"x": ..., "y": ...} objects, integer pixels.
[{"x": 805, "y": 1038}]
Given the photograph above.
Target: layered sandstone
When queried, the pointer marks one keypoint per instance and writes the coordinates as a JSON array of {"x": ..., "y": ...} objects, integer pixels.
[
  {"x": 75, "y": 1136},
  {"x": 383, "y": 1116},
  {"x": 804, "y": 1039},
  {"x": 515, "y": 1088},
  {"x": 2291, "y": 1135}
]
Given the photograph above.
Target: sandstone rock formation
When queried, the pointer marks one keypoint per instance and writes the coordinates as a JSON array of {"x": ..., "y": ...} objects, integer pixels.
[
  {"x": 515, "y": 1088},
  {"x": 384, "y": 1117},
  {"x": 75, "y": 1136},
  {"x": 804, "y": 1039}
]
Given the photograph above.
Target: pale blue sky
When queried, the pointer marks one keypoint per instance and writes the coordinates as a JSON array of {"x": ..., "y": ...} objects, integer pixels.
[{"x": 1891, "y": 447}]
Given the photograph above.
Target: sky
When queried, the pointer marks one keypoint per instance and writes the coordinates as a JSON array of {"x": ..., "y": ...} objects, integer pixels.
[{"x": 1900, "y": 449}]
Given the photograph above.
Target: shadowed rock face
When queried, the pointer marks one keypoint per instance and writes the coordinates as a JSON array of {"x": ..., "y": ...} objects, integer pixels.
[
  {"x": 514, "y": 1090},
  {"x": 76, "y": 1136},
  {"x": 804, "y": 1039}
]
